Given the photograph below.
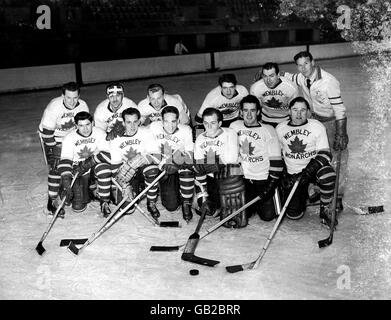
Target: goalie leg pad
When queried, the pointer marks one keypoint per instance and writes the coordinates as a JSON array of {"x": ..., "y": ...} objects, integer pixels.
[
  {"x": 81, "y": 196},
  {"x": 169, "y": 192},
  {"x": 232, "y": 197}
]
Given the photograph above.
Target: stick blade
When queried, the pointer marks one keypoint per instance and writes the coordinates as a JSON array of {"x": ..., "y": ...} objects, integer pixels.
[
  {"x": 72, "y": 248},
  {"x": 66, "y": 242},
  {"x": 234, "y": 269},
  {"x": 325, "y": 242},
  {"x": 40, "y": 249},
  {"x": 164, "y": 248},
  {"x": 169, "y": 224},
  {"x": 189, "y": 257}
]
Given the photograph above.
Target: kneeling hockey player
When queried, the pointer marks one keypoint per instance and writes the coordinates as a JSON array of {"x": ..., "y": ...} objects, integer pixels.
[
  {"x": 85, "y": 151},
  {"x": 307, "y": 156},
  {"x": 260, "y": 158},
  {"x": 176, "y": 145}
]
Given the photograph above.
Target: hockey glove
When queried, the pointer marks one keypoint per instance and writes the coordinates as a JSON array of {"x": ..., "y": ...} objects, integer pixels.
[
  {"x": 66, "y": 189},
  {"x": 52, "y": 158},
  {"x": 83, "y": 166},
  {"x": 268, "y": 191},
  {"x": 341, "y": 138},
  {"x": 309, "y": 171}
]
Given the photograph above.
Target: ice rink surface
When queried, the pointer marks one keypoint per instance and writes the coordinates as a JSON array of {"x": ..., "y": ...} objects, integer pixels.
[{"x": 119, "y": 264}]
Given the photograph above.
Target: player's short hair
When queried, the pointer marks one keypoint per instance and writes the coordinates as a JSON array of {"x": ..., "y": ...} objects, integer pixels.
[
  {"x": 170, "y": 109},
  {"x": 211, "y": 112},
  {"x": 250, "y": 99},
  {"x": 303, "y": 54},
  {"x": 155, "y": 87},
  {"x": 83, "y": 115},
  {"x": 130, "y": 112},
  {"x": 114, "y": 88},
  {"x": 70, "y": 86},
  {"x": 271, "y": 65},
  {"x": 299, "y": 99},
  {"x": 227, "y": 77}
]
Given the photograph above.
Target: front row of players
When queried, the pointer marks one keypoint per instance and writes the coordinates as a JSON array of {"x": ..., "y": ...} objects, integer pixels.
[{"x": 226, "y": 167}]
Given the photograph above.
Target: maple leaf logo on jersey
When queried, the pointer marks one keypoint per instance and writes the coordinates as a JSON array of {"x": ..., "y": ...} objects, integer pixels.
[
  {"x": 68, "y": 125},
  {"x": 297, "y": 145},
  {"x": 130, "y": 154},
  {"x": 85, "y": 153},
  {"x": 166, "y": 149},
  {"x": 211, "y": 156},
  {"x": 273, "y": 103},
  {"x": 247, "y": 148}
]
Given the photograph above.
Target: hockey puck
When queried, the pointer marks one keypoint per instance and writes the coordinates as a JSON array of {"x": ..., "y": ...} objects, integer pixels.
[{"x": 194, "y": 272}]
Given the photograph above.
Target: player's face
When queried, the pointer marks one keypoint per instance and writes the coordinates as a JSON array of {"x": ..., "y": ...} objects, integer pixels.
[
  {"x": 116, "y": 100},
  {"x": 212, "y": 125},
  {"x": 228, "y": 89},
  {"x": 270, "y": 77},
  {"x": 84, "y": 127},
  {"x": 71, "y": 98},
  {"x": 156, "y": 99},
  {"x": 305, "y": 66},
  {"x": 298, "y": 113},
  {"x": 250, "y": 113},
  {"x": 132, "y": 123},
  {"x": 170, "y": 122}
]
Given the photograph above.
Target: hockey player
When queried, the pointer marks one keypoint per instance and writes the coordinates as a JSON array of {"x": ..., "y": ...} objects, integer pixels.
[
  {"x": 107, "y": 114},
  {"x": 176, "y": 144},
  {"x": 307, "y": 156},
  {"x": 322, "y": 90},
  {"x": 225, "y": 98},
  {"x": 86, "y": 152},
  {"x": 274, "y": 93},
  {"x": 216, "y": 153},
  {"x": 260, "y": 158},
  {"x": 133, "y": 158},
  {"x": 56, "y": 122},
  {"x": 152, "y": 106}
]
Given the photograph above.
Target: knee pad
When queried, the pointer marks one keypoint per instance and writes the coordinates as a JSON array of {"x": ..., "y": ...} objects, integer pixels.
[
  {"x": 81, "y": 195},
  {"x": 169, "y": 192}
]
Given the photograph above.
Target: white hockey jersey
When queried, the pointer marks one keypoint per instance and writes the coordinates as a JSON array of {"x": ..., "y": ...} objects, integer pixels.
[{"x": 301, "y": 143}]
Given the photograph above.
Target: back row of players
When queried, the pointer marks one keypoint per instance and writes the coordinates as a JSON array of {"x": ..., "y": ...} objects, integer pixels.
[{"x": 251, "y": 142}]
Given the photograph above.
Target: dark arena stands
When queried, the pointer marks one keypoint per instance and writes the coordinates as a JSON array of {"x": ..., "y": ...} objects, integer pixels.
[{"x": 95, "y": 30}]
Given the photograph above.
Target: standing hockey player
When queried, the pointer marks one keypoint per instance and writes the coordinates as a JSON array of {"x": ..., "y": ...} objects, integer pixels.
[
  {"x": 133, "y": 158},
  {"x": 152, "y": 106},
  {"x": 260, "y": 157},
  {"x": 322, "y": 90},
  {"x": 107, "y": 114},
  {"x": 56, "y": 122},
  {"x": 307, "y": 157},
  {"x": 176, "y": 144},
  {"x": 216, "y": 152},
  {"x": 274, "y": 93},
  {"x": 86, "y": 152},
  {"x": 225, "y": 98}
]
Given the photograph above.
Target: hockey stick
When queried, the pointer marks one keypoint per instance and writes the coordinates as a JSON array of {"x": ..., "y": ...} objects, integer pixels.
[
  {"x": 39, "y": 248},
  {"x": 155, "y": 222},
  {"x": 66, "y": 242},
  {"x": 42, "y": 147},
  {"x": 326, "y": 242},
  {"x": 210, "y": 230},
  {"x": 72, "y": 247},
  {"x": 254, "y": 264},
  {"x": 188, "y": 252}
]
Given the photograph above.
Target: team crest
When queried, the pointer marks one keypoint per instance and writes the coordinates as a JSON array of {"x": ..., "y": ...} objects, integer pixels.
[
  {"x": 297, "y": 145},
  {"x": 85, "y": 153}
]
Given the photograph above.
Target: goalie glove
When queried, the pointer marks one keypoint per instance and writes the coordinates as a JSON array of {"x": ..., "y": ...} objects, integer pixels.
[
  {"x": 341, "y": 138},
  {"x": 128, "y": 169},
  {"x": 118, "y": 130},
  {"x": 83, "y": 166}
]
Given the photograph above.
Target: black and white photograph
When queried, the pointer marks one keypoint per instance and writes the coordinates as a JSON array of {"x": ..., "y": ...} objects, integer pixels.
[{"x": 184, "y": 151}]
